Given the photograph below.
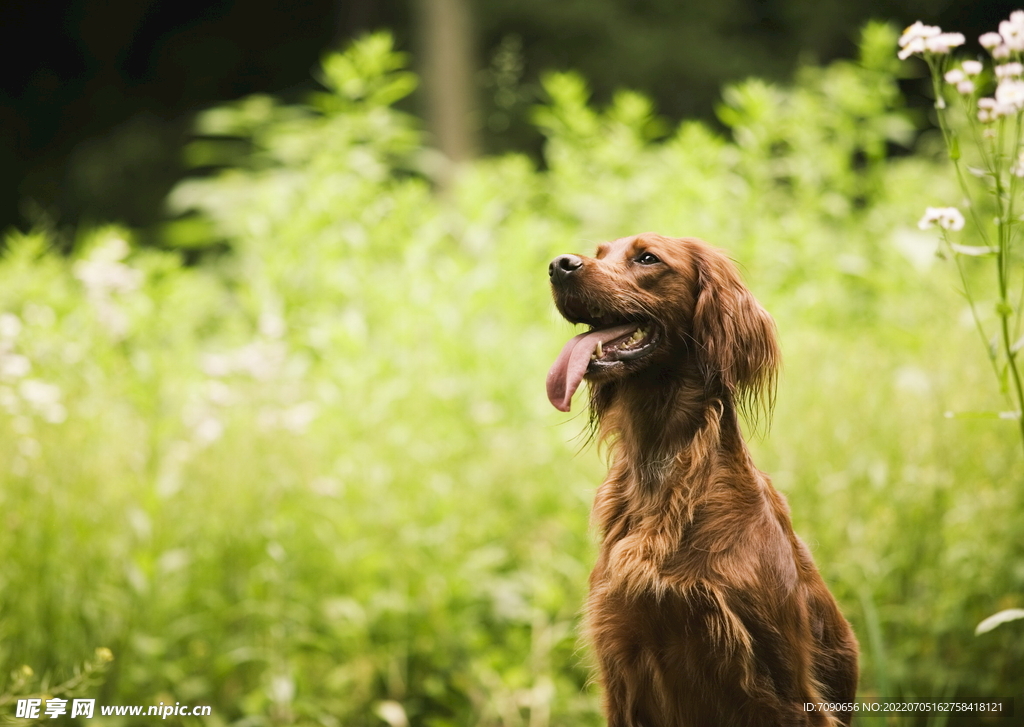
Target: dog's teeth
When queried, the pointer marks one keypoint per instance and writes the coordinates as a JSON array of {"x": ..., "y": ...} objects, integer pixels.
[{"x": 600, "y": 351}]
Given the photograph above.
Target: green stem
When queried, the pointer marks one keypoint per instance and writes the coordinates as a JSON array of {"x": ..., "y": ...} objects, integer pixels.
[
  {"x": 948, "y": 135},
  {"x": 1011, "y": 358},
  {"x": 1005, "y": 310},
  {"x": 1005, "y": 197},
  {"x": 973, "y": 308},
  {"x": 952, "y": 143}
]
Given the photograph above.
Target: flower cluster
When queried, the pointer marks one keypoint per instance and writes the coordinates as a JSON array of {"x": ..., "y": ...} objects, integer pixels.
[
  {"x": 259, "y": 359},
  {"x": 1006, "y": 48},
  {"x": 960, "y": 77},
  {"x": 948, "y": 218},
  {"x": 104, "y": 277},
  {"x": 1009, "y": 96},
  {"x": 102, "y": 272},
  {"x": 1009, "y": 39},
  {"x": 12, "y": 365},
  {"x": 1017, "y": 169},
  {"x": 921, "y": 38},
  {"x": 21, "y": 395},
  {"x": 1001, "y": 157}
]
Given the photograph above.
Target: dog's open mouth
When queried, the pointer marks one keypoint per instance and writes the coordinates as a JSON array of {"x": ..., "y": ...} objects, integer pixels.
[{"x": 601, "y": 348}]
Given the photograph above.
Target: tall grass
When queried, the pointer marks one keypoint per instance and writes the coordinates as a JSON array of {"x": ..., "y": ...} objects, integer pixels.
[{"x": 317, "y": 480}]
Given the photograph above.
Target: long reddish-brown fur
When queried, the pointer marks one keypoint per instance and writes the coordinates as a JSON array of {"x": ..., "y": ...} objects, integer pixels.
[{"x": 705, "y": 608}]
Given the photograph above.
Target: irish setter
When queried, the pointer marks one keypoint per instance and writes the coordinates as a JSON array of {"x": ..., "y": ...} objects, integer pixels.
[{"x": 705, "y": 608}]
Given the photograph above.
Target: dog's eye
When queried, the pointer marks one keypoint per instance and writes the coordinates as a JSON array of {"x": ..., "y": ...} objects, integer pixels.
[{"x": 647, "y": 259}]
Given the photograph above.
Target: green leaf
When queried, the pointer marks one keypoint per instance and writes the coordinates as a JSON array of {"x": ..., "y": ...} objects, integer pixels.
[
  {"x": 877, "y": 40},
  {"x": 997, "y": 619},
  {"x": 397, "y": 87},
  {"x": 370, "y": 70},
  {"x": 192, "y": 232}
]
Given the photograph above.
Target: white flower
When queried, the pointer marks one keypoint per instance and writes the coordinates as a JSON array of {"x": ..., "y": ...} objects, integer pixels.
[
  {"x": 272, "y": 325},
  {"x": 1017, "y": 169},
  {"x": 944, "y": 42},
  {"x": 1009, "y": 69},
  {"x": 208, "y": 430},
  {"x": 219, "y": 393},
  {"x": 10, "y": 325},
  {"x": 989, "y": 109},
  {"x": 915, "y": 45},
  {"x": 1010, "y": 93},
  {"x": 973, "y": 68},
  {"x": 39, "y": 393},
  {"x": 1001, "y": 52},
  {"x": 259, "y": 359},
  {"x": 44, "y": 398},
  {"x": 990, "y": 40},
  {"x": 948, "y": 218},
  {"x": 297, "y": 418},
  {"x": 100, "y": 276},
  {"x": 112, "y": 318},
  {"x": 217, "y": 364},
  {"x": 953, "y": 220},
  {"x": 1012, "y": 33},
  {"x": 913, "y": 39},
  {"x": 958, "y": 78},
  {"x": 918, "y": 30},
  {"x": 103, "y": 273},
  {"x": 14, "y": 366},
  {"x": 113, "y": 249}
]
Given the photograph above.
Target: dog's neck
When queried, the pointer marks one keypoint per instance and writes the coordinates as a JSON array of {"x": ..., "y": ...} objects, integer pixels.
[{"x": 661, "y": 428}]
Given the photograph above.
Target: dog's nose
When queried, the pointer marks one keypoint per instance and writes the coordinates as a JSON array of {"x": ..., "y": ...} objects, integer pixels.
[{"x": 563, "y": 266}]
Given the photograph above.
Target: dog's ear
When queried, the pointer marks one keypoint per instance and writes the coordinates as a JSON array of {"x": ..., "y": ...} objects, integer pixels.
[{"x": 735, "y": 336}]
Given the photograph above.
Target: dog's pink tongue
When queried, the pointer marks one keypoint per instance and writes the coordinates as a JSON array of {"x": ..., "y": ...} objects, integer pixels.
[{"x": 571, "y": 365}]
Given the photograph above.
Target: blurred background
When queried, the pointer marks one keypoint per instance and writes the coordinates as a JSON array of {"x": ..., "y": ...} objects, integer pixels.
[
  {"x": 97, "y": 99},
  {"x": 274, "y": 326}
]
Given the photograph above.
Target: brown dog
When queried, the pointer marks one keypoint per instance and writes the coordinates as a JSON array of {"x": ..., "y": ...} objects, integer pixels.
[{"x": 705, "y": 608}]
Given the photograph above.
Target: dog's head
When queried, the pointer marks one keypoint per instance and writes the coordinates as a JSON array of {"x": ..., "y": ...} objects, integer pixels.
[{"x": 662, "y": 306}]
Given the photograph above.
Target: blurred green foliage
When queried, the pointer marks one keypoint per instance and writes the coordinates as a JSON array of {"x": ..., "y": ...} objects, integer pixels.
[{"x": 317, "y": 480}]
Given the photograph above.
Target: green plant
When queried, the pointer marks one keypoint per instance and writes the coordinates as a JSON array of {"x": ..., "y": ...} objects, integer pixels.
[
  {"x": 983, "y": 137},
  {"x": 24, "y": 684}
]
